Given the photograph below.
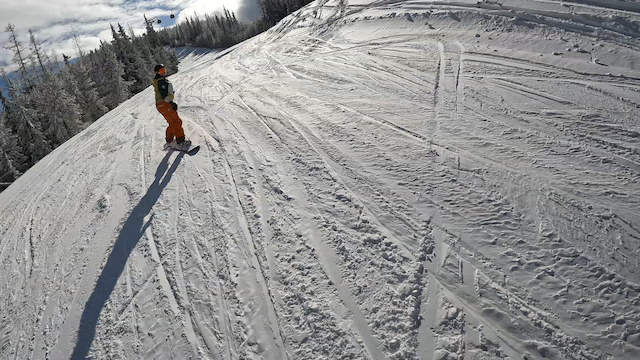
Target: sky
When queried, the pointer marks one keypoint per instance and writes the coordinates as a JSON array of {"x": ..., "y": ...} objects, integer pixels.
[{"x": 54, "y": 21}]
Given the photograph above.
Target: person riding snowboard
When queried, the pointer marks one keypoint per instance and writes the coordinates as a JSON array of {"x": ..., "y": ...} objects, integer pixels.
[{"x": 165, "y": 105}]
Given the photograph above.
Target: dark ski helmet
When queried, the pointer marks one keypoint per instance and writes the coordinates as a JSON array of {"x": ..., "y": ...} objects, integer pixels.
[{"x": 158, "y": 67}]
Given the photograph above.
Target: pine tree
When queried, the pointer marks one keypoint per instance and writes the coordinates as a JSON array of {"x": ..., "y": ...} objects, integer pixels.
[
  {"x": 170, "y": 60},
  {"x": 24, "y": 123},
  {"x": 151, "y": 32},
  {"x": 76, "y": 43},
  {"x": 19, "y": 54},
  {"x": 94, "y": 61},
  {"x": 69, "y": 81},
  {"x": 11, "y": 157},
  {"x": 3, "y": 100},
  {"x": 91, "y": 104},
  {"x": 37, "y": 51},
  {"x": 119, "y": 49},
  {"x": 114, "y": 34},
  {"x": 59, "y": 110},
  {"x": 142, "y": 75},
  {"x": 136, "y": 70},
  {"x": 114, "y": 88},
  {"x": 145, "y": 47},
  {"x": 123, "y": 33},
  {"x": 56, "y": 61}
]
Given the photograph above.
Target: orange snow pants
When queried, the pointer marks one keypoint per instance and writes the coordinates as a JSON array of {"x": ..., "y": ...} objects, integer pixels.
[{"x": 175, "y": 123}]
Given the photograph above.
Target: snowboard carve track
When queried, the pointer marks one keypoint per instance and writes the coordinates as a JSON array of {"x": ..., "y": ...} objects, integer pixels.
[
  {"x": 208, "y": 337},
  {"x": 264, "y": 208},
  {"x": 182, "y": 247},
  {"x": 440, "y": 78},
  {"x": 263, "y": 283},
  {"x": 130, "y": 303},
  {"x": 230, "y": 350},
  {"x": 333, "y": 167},
  {"x": 250, "y": 251},
  {"x": 259, "y": 117},
  {"x": 327, "y": 256},
  {"x": 129, "y": 285},
  {"x": 253, "y": 260},
  {"x": 131, "y": 295},
  {"x": 165, "y": 284},
  {"x": 162, "y": 275},
  {"x": 186, "y": 305},
  {"x": 435, "y": 284},
  {"x": 459, "y": 86}
]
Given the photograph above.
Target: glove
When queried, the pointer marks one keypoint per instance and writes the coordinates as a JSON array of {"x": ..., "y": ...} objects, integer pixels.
[{"x": 174, "y": 106}]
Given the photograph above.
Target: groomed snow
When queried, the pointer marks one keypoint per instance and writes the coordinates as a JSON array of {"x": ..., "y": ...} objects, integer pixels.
[{"x": 377, "y": 180}]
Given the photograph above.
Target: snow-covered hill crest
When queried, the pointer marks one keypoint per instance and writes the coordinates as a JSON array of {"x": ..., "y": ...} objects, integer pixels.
[{"x": 377, "y": 180}]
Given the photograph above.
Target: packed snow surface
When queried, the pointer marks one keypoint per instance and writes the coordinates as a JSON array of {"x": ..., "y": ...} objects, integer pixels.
[{"x": 377, "y": 180}]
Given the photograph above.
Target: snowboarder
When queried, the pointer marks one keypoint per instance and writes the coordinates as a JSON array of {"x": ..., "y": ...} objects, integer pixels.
[{"x": 165, "y": 105}]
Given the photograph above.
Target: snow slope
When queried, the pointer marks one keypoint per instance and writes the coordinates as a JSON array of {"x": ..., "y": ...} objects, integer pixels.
[{"x": 377, "y": 180}]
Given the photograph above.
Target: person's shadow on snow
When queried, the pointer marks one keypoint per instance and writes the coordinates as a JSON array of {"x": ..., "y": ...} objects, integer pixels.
[{"x": 132, "y": 231}]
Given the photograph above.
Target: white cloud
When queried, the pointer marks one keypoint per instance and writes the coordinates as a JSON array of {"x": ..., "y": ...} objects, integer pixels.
[
  {"x": 201, "y": 7},
  {"x": 246, "y": 10}
]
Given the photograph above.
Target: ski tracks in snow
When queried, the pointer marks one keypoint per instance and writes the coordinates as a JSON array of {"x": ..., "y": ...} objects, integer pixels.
[
  {"x": 363, "y": 191},
  {"x": 460, "y": 161}
]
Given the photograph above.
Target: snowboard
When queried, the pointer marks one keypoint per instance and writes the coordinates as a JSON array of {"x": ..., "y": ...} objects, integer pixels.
[{"x": 192, "y": 150}]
